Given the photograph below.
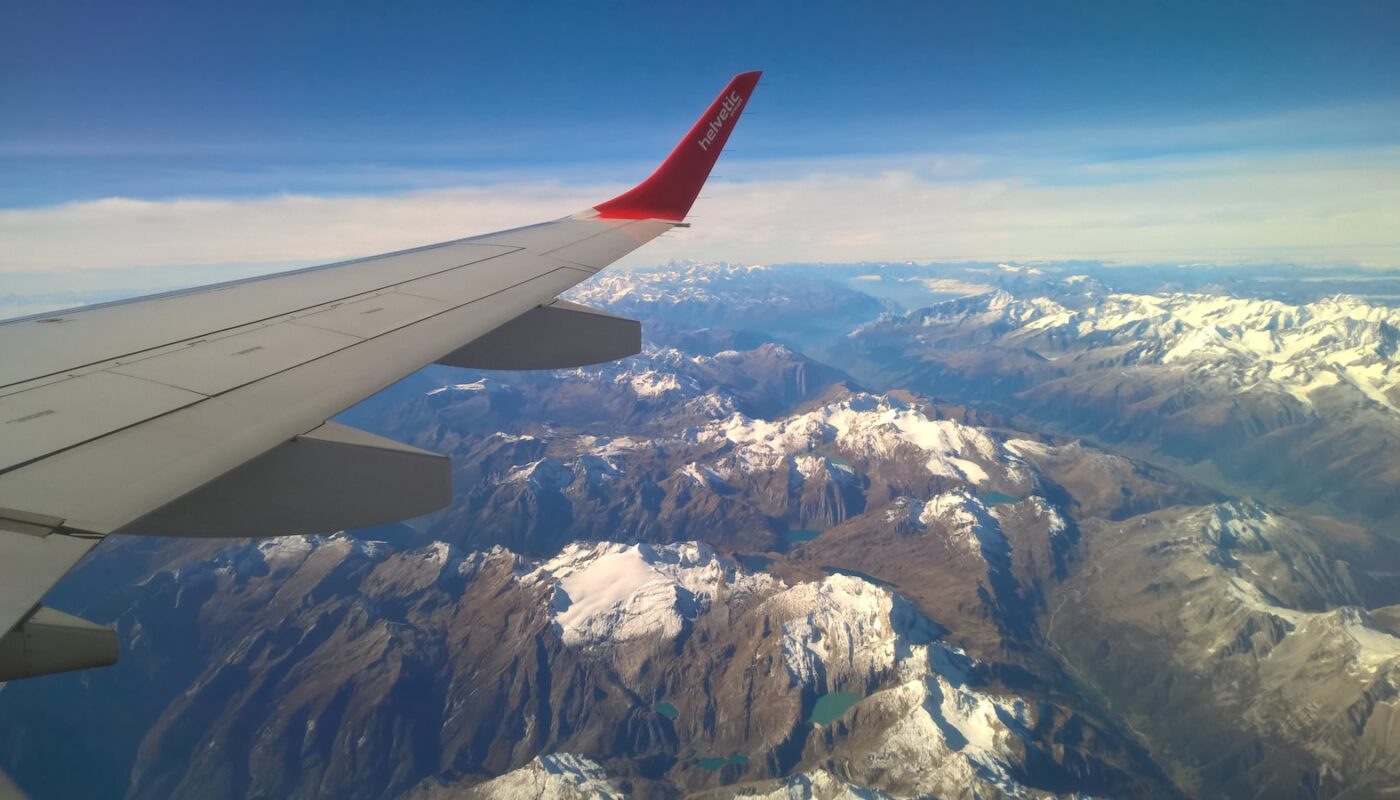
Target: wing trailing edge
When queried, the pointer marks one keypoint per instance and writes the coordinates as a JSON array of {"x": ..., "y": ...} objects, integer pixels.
[
  {"x": 561, "y": 335},
  {"x": 50, "y": 642},
  {"x": 331, "y": 478}
]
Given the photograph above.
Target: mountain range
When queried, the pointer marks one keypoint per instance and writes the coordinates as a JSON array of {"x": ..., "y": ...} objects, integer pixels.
[{"x": 1038, "y": 537}]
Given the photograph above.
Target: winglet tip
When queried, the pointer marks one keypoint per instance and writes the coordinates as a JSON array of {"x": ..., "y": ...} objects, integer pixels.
[{"x": 671, "y": 190}]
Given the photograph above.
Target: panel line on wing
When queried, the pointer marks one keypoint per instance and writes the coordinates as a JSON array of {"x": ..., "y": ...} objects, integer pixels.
[
  {"x": 7, "y": 468},
  {"x": 59, "y": 415},
  {"x": 263, "y": 320},
  {"x": 106, "y": 485}
]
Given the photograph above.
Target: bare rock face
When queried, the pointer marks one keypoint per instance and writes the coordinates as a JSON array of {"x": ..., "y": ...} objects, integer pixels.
[
  {"x": 729, "y": 478},
  {"x": 440, "y": 669},
  {"x": 1213, "y": 628}
]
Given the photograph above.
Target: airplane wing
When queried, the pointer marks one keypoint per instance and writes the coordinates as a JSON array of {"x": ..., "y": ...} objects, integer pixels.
[{"x": 205, "y": 412}]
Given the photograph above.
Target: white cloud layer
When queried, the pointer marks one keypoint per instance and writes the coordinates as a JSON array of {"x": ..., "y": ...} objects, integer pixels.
[{"x": 1315, "y": 208}]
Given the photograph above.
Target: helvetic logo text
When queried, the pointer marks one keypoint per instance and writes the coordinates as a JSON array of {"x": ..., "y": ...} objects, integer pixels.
[{"x": 729, "y": 109}]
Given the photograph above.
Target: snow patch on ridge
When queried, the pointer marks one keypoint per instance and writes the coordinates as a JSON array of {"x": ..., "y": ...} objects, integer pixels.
[
  {"x": 1346, "y": 633},
  {"x": 847, "y": 634},
  {"x": 654, "y": 384},
  {"x": 608, "y": 593},
  {"x": 966, "y": 520},
  {"x": 1240, "y": 525},
  {"x": 949, "y": 738},
  {"x": 286, "y": 549},
  {"x": 868, "y": 426},
  {"x": 557, "y": 775},
  {"x": 838, "y": 621},
  {"x": 1027, "y": 448},
  {"x": 1296, "y": 350},
  {"x": 482, "y": 386},
  {"x": 818, "y": 783},
  {"x": 841, "y": 633}
]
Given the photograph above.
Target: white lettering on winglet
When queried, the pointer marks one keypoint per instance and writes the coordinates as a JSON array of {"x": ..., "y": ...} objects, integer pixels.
[{"x": 728, "y": 109}]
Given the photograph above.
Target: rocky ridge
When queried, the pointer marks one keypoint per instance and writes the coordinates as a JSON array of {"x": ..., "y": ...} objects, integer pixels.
[
  {"x": 1249, "y": 387},
  {"x": 447, "y": 667}
]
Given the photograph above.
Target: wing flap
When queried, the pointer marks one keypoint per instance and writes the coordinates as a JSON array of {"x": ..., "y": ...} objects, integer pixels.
[
  {"x": 560, "y": 335},
  {"x": 51, "y": 641},
  {"x": 33, "y": 563},
  {"x": 331, "y": 478}
]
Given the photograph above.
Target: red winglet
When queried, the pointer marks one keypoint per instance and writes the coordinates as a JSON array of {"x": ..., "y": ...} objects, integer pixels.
[{"x": 672, "y": 188}]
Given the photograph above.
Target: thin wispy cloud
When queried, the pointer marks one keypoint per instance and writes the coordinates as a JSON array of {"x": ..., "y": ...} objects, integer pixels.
[{"x": 1319, "y": 207}]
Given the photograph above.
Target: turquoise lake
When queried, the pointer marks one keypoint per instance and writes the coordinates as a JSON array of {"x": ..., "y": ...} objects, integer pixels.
[
  {"x": 998, "y": 498},
  {"x": 831, "y": 706}
]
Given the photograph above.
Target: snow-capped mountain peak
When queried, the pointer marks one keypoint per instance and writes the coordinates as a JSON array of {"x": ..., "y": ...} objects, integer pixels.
[
  {"x": 868, "y": 426},
  {"x": 607, "y": 593},
  {"x": 556, "y": 776}
]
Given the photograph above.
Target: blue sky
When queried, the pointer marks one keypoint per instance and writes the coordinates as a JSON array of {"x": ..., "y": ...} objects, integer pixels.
[{"x": 234, "y": 104}]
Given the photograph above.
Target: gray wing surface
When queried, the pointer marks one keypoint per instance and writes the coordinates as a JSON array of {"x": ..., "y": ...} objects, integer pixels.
[
  {"x": 154, "y": 398},
  {"x": 111, "y": 413},
  {"x": 204, "y": 412}
]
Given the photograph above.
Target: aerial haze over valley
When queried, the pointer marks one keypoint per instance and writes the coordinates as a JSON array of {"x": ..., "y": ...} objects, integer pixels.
[{"x": 978, "y": 529}]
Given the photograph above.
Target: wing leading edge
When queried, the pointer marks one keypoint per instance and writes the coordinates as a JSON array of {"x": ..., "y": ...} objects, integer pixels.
[{"x": 166, "y": 414}]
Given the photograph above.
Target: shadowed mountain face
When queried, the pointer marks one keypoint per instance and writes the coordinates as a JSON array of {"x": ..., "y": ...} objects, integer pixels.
[{"x": 724, "y": 567}]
